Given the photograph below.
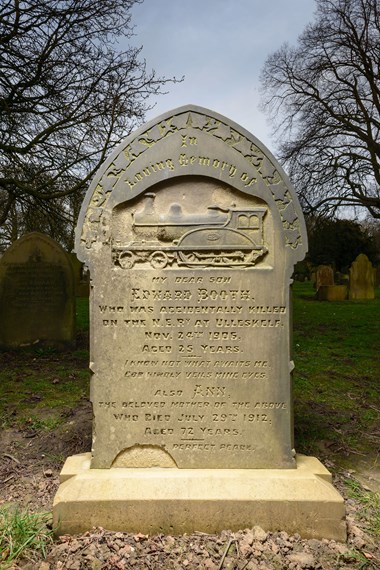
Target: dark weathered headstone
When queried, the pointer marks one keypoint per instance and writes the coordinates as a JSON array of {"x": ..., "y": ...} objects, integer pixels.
[
  {"x": 191, "y": 232},
  {"x": 37, "y": 303}
]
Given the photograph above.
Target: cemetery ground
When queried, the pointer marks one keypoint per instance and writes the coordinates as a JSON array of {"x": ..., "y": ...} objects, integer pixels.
[{"x": 45, "y": 416}]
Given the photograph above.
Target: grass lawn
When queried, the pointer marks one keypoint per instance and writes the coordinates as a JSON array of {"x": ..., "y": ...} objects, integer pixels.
[{"x": 336, "y": 379}]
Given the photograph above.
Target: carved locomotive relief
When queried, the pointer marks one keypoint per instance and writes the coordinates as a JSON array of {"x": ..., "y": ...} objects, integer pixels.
[{"x": 220, "y": 236}]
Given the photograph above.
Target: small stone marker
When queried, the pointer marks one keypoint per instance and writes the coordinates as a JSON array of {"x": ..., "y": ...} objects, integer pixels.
[
  {"x": 37, "y": 303},
  {"x": 191, "y": 232},
  {"x": 332, "y": 293},
  {"x": 362, "y": 279}
]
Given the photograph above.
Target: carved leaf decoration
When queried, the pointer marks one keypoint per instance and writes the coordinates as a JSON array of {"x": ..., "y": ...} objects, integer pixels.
[
  {"x": 197, "y": 121},
  {"x": 288, "y": 214},
  {"x": 279, "y": 193},
  {"x": 243, "y": 146},
  {"x": 292, "y": 236},
  {"x": 181, "y": 121},
  {"x": 222, "y": 132}
]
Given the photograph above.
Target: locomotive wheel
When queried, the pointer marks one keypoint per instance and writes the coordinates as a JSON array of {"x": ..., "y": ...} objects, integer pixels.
[
  {"x": 126, "y": 260},
  {"x": 159, "y": 259}
]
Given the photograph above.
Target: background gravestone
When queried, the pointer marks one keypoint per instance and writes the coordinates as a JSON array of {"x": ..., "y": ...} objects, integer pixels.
[
  {"x": 191, "y": 232},
  {"x": 36, "y": 294},
  {"x": 326, "y": 290},
  {"x": 324, "y": 276},
  {"x": 362, "y": 279}
]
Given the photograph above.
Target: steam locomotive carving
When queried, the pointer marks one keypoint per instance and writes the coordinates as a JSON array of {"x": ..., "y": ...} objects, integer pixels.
[{"x": 219, "y": 237}]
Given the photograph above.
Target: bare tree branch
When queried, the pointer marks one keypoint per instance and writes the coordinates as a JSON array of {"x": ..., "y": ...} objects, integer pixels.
[
  {"x": 323, "y": 98},
  {"x": 68, "y": 96}
]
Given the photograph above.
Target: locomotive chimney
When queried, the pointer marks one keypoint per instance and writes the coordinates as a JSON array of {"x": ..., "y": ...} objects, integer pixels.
[
  {"x": 148, "y": 208},
  {"x": 147, "y": 213}
]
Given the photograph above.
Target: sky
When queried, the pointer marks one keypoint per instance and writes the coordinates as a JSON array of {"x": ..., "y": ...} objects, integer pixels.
[{"x": 220, "y": 46}]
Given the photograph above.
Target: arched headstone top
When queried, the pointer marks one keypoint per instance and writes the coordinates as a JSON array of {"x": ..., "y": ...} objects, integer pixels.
[
  {"x": 190, "y": 141},
  {"x": 34, "y": 240}
]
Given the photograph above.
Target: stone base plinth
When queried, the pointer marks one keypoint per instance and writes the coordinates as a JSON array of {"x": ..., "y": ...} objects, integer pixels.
[{"x": 175, "y": 501}]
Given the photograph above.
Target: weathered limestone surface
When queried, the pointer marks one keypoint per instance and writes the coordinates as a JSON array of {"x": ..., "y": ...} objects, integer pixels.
[
  {"x": 37, "y": 303},
  {"x": 191, "y": 231}
]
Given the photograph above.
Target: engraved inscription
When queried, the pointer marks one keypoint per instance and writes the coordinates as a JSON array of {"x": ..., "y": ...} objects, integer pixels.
[
  {"x": 33, "y": 283},
  {"x": 193, "y": 379}
]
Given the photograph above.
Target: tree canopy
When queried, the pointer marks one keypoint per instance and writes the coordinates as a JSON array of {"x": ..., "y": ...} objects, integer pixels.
[
  {"x": 338, "y": 242},
  {"x": 323, "y": 97},
  {"x": 68, "y": 95}
]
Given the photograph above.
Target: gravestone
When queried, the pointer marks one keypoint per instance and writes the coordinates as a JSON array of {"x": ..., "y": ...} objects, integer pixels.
[
  {"x": 324, "y": 284},
  {"x": 37, "y": 304},
  {"x": 191, "y": 232},
  {"x": 362, "y": 279},
  {"x": 324, "y": 276}
]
